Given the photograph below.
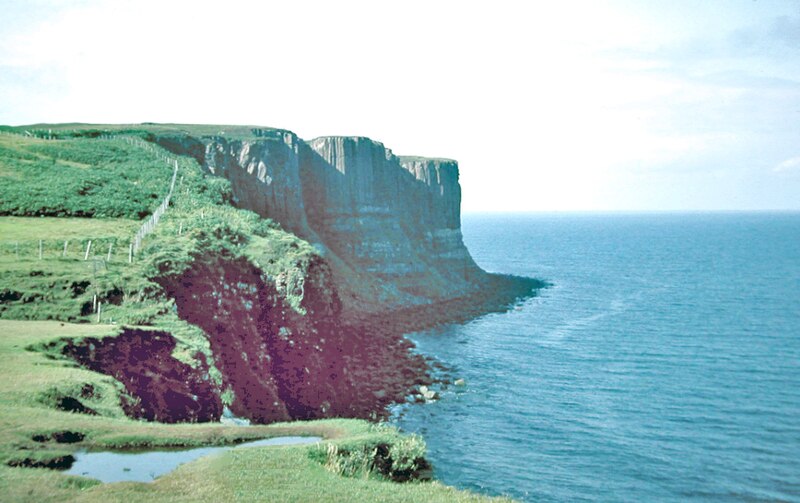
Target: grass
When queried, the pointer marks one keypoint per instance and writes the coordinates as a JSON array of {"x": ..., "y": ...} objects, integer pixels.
[
  {"x": 290, "y": 473},
  {"x": 63, "y": 286},
  {"x": 416, "y": 158},
  {"x": 235, "y": 132},
  {"x": 99, "y": 178},
  {"x": 59, "y": 229}
]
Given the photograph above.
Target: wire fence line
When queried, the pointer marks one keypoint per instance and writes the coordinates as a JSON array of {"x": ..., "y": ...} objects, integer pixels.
[
  {"x": 113, "y": 248},
  {"x": 29, "y": 134},
  {"x": 149, "y": 225}
]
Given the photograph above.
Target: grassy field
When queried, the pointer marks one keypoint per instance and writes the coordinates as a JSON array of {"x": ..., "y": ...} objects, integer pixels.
[
  {"x": 62, "y": 285},
  {"x": 71, "y": 130},
  {"x": 23, "y": 228},
  {"x": 76, "y": 177},
  {"x": 291, "y": 473}
]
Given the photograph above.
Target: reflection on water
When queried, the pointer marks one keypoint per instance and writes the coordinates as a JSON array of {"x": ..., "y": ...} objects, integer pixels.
[{"x": 145, "y": 466}]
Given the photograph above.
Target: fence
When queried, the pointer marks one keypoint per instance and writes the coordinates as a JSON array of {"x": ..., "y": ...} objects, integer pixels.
[
  {"x": 32, "y": 133},
  {"x": 150, "y": 224},
  {"x": 109, "y": 248}
]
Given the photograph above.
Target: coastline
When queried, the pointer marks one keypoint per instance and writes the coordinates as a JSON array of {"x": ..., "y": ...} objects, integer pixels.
[{"x": 392, "y": 371}]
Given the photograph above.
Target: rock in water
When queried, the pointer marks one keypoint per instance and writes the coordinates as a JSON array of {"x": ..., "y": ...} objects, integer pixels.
[{"x": 428, "y": 394}]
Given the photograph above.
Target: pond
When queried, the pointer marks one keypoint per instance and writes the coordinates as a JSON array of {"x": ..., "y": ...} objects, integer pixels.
[{"x": 145, "y": 466}]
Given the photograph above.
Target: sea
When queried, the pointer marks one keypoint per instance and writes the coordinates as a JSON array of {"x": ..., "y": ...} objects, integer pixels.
[{"x": 662, "y": 364}]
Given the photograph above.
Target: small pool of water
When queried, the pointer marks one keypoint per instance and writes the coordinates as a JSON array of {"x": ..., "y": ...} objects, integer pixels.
[{"x": 145, "y": 466}]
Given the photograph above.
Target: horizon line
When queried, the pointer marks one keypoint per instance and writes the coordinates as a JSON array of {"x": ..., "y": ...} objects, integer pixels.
[{"x": 628, "y": 211}]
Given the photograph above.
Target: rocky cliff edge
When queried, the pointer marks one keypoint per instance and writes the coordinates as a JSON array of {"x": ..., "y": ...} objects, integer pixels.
[{"x": 388, "y": 225}]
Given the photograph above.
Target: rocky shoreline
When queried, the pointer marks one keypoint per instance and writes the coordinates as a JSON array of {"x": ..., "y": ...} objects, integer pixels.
[
  {"x": 391, "y": 372},
  {"x": 278, "y": 364}
]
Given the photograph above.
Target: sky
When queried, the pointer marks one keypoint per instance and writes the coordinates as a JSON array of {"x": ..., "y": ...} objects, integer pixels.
[{"x": 547, "y": 106}]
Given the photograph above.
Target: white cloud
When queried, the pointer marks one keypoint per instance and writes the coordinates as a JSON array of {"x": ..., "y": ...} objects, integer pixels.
[
  {"x": 788, "y": 165},
  {"x": 559, "y": 99}
]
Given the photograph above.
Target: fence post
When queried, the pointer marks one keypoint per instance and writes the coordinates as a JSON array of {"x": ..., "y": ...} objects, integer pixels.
[
  {"x": 88, "y": 247},
  {"x": 40, "y": 249},
  {"x": 108, "y": 258},
  {"x": 64, "y": 253},
  {"x": 130, "y": 253},
  {"x": 99, "y": 310}
]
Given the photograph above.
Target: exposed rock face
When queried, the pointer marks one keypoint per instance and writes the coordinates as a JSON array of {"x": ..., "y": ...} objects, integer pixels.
[
  {"x": 389, "y": 226},
  {"x": 282, "y": 365},
  {"x": 264, "y": 174}
]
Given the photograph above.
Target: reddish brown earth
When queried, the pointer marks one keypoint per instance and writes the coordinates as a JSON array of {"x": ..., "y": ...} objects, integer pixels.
[
  {"x": 163, "y": 388},
  {"x": 280, "y": 364},
  {"x": 283, "y": 365}
]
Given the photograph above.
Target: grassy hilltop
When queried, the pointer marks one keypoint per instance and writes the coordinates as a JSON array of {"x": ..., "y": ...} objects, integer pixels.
[{"x": 68, "y": 213}]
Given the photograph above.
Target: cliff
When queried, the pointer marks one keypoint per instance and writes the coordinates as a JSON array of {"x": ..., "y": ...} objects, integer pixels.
[
  {"x": 223, "y": 308},
  {"x": 389, "y": 226}
]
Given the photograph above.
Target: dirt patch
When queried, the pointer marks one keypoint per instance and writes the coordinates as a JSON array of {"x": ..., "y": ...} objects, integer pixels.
[
  {"x": 61, "y": 437},
  {"x": 7, "y": 295},
  {"x": 283, "y": 365},
  {"x": 164, "y": 388},
  {"x": 88, "y": 391},
  {"x": 79, "y": 287},
  {"x": 71, "y": 404},
  {"x": 56, "y": 463}
]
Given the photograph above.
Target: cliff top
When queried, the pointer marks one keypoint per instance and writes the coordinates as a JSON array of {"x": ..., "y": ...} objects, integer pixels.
[
  {"x": 236, "y": 132},
  {"x": 401, "y": 158},
  {"x": 225, "y": 130},
  {"x": 418, "y": 158}
]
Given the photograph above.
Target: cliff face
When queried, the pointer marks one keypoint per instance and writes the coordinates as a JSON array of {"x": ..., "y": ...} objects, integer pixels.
[
  {"x": 264, "y": 174},
  {"x": 389, "y": 226}
]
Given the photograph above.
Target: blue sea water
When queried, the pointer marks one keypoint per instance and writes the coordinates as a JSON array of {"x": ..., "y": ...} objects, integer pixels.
[{"x": 662, "y": 365}]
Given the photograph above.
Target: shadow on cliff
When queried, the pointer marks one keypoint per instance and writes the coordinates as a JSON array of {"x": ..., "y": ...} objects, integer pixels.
[
  {"x": 395, "y": 239},
  {"x": 392, "y": 237}
]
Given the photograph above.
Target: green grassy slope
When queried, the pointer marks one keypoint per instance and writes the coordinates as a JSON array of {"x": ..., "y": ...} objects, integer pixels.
[
  {"x": 63, "y": 286},
  {"x": 89, "y": 130},
  {"x": 101, "y": 178}
]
